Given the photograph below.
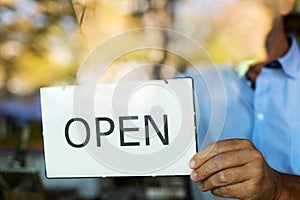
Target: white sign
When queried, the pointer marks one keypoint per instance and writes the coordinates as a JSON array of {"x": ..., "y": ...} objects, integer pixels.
[{"x": 130, "y": 129}]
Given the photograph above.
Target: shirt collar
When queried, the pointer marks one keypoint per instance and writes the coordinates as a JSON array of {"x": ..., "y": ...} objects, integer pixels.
[{"x": 291, "y": 60}]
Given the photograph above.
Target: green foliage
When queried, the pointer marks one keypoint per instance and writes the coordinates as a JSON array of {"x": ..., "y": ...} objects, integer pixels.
[{"x": 36, "y": 43}]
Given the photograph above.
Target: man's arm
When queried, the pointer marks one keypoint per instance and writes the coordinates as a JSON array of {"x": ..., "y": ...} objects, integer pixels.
[
  {"x": 290, "y": 187},
  {"x": 236, "y": 169}
]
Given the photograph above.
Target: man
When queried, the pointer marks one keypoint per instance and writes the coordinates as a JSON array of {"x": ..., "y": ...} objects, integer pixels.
[{"x": 263, "y": 112}]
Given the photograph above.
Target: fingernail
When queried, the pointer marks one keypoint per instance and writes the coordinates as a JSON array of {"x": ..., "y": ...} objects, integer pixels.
[
  {"x": 194, "y": 175},
  {"x": 192, "y": 164}
]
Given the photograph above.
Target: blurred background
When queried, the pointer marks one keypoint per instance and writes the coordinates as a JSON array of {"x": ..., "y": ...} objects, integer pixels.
[{"x": 44, "y": 42}]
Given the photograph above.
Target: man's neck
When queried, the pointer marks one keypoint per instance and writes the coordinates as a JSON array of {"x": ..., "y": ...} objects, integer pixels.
[
  {"x": 277, "y": 43},
  {"x": 277, "y": 46}
]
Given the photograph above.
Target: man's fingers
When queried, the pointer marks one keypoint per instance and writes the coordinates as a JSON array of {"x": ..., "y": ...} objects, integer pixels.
[
  {"x": 221, "y": 162},
  {"x": 217, "y": 148},
  {"x": 234, "y": 169},
  {"x": 238, "y": 190},
  {"x": 226, "y": 177}
]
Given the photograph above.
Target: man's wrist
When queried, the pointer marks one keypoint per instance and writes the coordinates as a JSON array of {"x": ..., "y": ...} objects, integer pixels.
[
  {"x": 280, "y": 189},
  {"x": 288, "y": 187}
]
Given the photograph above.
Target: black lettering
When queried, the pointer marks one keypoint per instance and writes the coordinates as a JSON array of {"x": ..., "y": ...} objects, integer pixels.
[
  {"x": 165, "y": 140},
  {"x": 99, "y": 133},
  {"x": 88, "y": 132},
  {"x": 122, "y": 130}
]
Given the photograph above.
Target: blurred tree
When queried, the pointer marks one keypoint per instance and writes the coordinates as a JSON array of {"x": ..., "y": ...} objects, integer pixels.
[
  {"x": 36, "y": 44},
  {"x": 99, "y": 20},
  {"x": 40, "y": 42}
]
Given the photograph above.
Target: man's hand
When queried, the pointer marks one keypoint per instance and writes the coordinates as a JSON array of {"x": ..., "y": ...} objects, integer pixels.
[{"x": 235, "y": 169}]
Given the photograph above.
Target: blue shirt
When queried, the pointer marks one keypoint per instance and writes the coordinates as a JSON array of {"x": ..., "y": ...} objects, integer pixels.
[{"x": 269, "y": 116}]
